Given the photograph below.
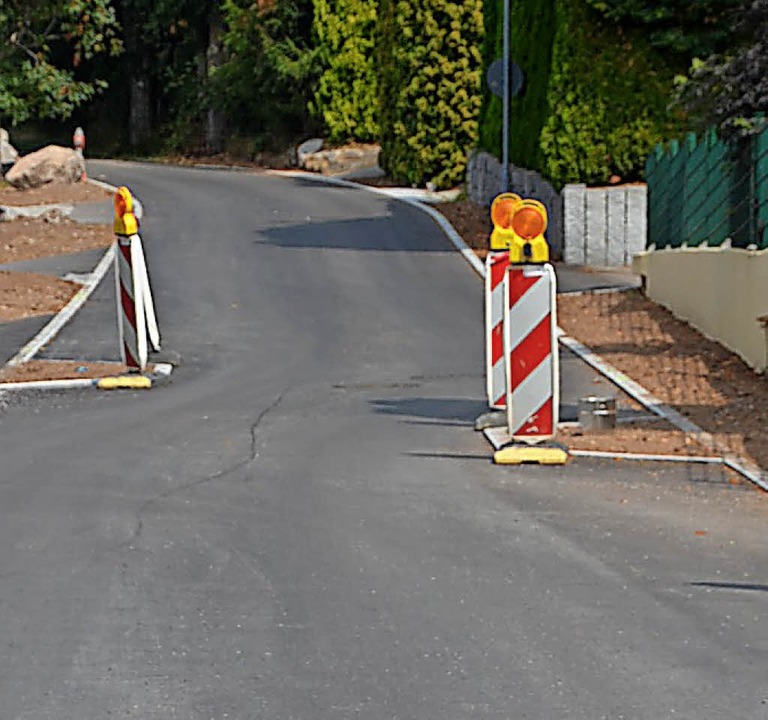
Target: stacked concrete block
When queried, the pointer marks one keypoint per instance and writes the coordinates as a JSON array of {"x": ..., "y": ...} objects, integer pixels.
[{"x": 604, "y": 227}]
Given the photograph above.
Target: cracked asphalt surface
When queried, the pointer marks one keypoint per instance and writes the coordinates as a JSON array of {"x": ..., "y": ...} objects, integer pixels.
[{"x": 303, "y": 523}]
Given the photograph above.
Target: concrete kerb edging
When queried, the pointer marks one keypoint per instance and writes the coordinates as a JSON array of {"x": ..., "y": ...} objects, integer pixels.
[
  {"x": 162, "y": 371},
  {"x": 744, "y": 467}
]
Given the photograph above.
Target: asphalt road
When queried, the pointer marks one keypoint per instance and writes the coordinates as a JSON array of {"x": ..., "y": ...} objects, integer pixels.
[{"x": 304, "y": 525}]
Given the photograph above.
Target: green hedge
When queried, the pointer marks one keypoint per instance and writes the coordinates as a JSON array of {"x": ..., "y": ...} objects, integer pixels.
[
  {"x": 347, "y": 92},
  {"x": 429, "y": 67},
  {"x": 609, "y": 93},
  {"x": 596, "y": 98},
  {"x": 532, "y": 33}
]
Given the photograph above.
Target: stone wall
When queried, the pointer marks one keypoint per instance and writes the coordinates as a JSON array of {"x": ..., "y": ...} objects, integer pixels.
[{"x": 484, "y": 184}]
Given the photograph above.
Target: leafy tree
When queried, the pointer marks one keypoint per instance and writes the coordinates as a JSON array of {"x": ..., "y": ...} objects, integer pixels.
[
  {"x": 731, "y": 90},
  {"x": 268, "y": 78},
  {"x": 687, "y": 28},
  {"x": 44, "y": 43},
  {"x": 429, "y": 64},
  {"x": 608, "y": 96},
  {"x": 346, "y": 95}
]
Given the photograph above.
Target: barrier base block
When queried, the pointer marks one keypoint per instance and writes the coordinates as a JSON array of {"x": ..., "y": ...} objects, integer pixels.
[
  {"x": 544, "y": 454},
  {"x": 125, "y": 382}
]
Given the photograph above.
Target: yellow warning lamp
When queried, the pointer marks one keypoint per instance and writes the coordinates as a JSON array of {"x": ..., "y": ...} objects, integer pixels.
[
  {"x": 519, "y": 225},
  {"x": 502, "y": 212},
  {"x": 528, "y": 224},
  {"x": 125, "y": 221}
]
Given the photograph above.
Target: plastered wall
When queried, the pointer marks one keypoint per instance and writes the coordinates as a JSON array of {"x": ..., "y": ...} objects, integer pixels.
[{"x": 720, "y": 291}]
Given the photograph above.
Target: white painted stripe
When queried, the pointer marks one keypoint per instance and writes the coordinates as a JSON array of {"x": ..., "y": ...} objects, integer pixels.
[
  {"x": 531, "y": 394},
  {"x": 529, "y": 311}
]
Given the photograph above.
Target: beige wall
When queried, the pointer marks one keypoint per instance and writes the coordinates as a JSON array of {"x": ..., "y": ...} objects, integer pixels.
[{"x": 720, "y": 291}]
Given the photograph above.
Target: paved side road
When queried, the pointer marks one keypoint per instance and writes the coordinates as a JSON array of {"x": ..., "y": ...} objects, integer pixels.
[{"x": 304, "y": 525}]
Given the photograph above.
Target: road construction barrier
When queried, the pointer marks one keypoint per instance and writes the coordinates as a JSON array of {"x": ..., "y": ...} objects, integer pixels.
[
  {"x": 496, "y": 264},
  {"x": 530, "y": 352},
  {"x": 136, "y": 318},
  {"x": 521, "y": 330}
]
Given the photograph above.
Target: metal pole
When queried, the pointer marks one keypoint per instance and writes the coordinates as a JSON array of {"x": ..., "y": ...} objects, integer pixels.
[{"x": 505, "y": 102}]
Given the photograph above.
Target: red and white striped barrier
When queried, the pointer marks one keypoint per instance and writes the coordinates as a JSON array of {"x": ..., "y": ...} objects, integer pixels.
[
  {"x": 496, "y": 264},
  {"x": 135, "y": 308},
  {"x": 530, "y": 352}
]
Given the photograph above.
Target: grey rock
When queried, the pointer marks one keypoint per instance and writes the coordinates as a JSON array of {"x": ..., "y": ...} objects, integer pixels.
[
  {"x": 52, "y": 163},
  {"x": 308, "y": 147}
]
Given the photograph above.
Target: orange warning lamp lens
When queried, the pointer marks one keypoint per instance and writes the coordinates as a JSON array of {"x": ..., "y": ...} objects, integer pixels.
[
  {"x": 501, "y": 213},
  {"x": 502, "y": 210},
  {"x": 120, "y": 205},
  {"x": 528, "y": 223}
]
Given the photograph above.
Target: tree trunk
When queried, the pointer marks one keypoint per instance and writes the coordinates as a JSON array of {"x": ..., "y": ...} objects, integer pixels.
[
  {"x": 140, "y": 114},
  {"x": 215, "y": 120}
]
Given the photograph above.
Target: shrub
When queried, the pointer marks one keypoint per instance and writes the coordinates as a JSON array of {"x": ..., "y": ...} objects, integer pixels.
[
  {"x": 347, "y": 91},
  {"x": 429, "y": 88}
]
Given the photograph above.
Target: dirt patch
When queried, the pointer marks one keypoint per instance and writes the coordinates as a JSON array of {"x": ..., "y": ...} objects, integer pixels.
[
  {"x": 35, "y": 370},
  {"x": 53, "y": 193},
  {"x": 24, "y": 295},
  {"x": 25, "y": 239},
  {"x": 694, "y": 375}
]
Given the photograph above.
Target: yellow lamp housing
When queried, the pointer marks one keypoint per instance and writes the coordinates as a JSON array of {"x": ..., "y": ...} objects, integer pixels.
[
  {"x": 126, "y": 222},
  {"x": 528, "y": 222},
  {"x": 502, "y": 212}
]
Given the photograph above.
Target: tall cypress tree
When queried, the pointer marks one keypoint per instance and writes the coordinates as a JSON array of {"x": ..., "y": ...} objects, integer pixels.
[
  {"x": 347, "y": 92},
  {"x": 429, "y": 87}
]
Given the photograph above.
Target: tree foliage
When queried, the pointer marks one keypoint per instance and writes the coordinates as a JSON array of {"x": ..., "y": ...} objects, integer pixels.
[
  {"x": 731, "y": 90},
  {"x": 347, "y": 91},
  {"x": 532, "y": 33},
  {"x": 43, "y": 45},
  {"x": 429, "y": 64},
  {"x": 686, "y": 28},
  {"x": 608, "y": 97},
  {"x": 597, "y": 92},
  {"x": 268, "y": 78}
]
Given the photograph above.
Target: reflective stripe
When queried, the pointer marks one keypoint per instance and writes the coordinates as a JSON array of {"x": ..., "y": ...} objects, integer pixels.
[{"x": 531, "y": 394}]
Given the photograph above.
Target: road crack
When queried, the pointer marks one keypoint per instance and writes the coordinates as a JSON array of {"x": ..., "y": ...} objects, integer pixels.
[{"x": 219, "y": 475}]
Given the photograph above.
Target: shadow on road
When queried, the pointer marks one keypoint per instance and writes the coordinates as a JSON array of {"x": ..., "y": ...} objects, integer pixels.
[
  {"x": 441, "y": 411},
  {"x": 396, "y": 233}
]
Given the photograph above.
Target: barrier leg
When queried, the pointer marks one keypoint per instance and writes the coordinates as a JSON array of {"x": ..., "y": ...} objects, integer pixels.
[{"x": 142, "y": 282}]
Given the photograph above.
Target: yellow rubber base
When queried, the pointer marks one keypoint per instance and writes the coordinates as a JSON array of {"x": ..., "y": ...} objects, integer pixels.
[
  {"x": 541, "y": 455},
  {"x": 125, "y": 382}
]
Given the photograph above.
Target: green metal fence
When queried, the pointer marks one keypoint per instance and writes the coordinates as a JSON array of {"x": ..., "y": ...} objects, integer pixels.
[{"x": 703, "y": 191}]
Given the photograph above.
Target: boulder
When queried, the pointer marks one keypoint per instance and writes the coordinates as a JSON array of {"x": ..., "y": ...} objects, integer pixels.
[
  {"x": 8, "y": 153},
  {"x": 53, "y": 163},
  {"x": 307, "y": 148},
  {"x": 341, "y": 160}
]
